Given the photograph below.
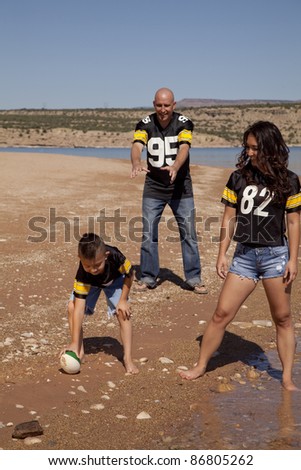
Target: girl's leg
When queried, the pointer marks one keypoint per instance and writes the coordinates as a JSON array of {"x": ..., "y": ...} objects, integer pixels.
[
  {"x": 234, "y": 292},
  {"x": 126, "y": 339},
  {"x": 278, "y": 295}
]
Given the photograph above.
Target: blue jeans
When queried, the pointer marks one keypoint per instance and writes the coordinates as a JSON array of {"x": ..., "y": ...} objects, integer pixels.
[
  {"x": 112, "y": 293},
  {"x": 259, "y": 263},
  {"x": 184, "y": 212}
]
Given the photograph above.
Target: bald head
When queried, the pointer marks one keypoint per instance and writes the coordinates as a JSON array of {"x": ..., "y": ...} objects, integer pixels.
[
  {"x": 164, "y": 104},
  {"x": 164, "y": 93}
]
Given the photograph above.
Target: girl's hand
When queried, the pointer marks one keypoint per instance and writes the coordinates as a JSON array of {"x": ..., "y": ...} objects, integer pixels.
[
  {"x": 222, "y": 266},
  {"x": 290, "y": 272}
]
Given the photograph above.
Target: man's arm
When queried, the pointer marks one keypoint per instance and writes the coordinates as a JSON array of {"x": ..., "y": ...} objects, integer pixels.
[{"x": 137, "y": 166}]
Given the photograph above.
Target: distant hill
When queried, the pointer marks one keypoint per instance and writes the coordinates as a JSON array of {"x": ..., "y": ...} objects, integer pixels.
[
  {"x": 217, "y": 123},
  {"x": 204, "y": 102}
]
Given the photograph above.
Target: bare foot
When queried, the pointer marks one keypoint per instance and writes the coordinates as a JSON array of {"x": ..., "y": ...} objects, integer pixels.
[
  {"x": 290, "y": 386},
  {"x": 193, "y": 373},
  {"x": 130, "y": 367},
  {"x": 82, "y": 358}
]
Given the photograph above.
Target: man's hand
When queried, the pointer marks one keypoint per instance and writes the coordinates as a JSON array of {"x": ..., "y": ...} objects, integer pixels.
[
  {"x": 136, "y": 169},
  {"x": 137, "y": 166},
  {"x": 172, "y": 172}
]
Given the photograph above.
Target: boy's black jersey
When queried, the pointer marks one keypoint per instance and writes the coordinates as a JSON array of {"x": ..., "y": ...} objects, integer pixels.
[
  {"x": 162, "y": 147},
  {"x": 260, "y": 220},
  {"x": 116, "y": 265}
]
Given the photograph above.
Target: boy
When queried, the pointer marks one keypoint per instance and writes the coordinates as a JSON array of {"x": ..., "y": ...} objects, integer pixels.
[{"x": 101, "y": 267}]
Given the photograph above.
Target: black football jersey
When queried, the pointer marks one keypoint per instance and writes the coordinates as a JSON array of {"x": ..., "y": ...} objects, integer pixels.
[
  {"x": 116, "y": 265},
  {"x": 162, "y": 147},
  {"x": 260, "y": 220}
]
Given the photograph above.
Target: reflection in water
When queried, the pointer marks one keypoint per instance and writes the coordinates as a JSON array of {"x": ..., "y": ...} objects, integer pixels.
[
  {"x": 289, "y": 433},
  {"x": 257, "y": 414}
]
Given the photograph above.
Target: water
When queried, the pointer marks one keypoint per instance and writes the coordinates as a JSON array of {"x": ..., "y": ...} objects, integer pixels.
[
  {"x": 257, "y": 414},
  {"x": 220, "y": 157}
]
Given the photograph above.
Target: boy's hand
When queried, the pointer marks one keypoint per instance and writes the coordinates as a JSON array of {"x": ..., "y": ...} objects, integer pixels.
[
  {"x": 123, "y": 309},
  {"x": 72, "y": 347}
]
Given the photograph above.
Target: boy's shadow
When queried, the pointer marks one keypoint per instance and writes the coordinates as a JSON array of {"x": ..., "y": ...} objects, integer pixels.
[
  {"x": 106, "y": 344},
  {"x": 234, "y": 348},
  {"x": 165, "y": 274}
]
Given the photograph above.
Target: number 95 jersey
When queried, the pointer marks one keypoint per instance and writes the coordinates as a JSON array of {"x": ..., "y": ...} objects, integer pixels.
[
  {"x": 162, "y": 147},
  {"x": 260, "y": 220}
]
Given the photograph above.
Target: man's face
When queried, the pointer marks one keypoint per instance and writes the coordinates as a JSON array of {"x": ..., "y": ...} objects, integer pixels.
[{"x": 164, "y": 106}]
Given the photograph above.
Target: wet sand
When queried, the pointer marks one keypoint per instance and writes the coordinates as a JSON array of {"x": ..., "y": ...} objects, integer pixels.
[{"x": 47, "y": 201}]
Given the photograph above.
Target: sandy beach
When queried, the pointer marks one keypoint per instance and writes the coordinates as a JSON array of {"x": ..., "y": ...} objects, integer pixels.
[{"x": 47, "y": 202}]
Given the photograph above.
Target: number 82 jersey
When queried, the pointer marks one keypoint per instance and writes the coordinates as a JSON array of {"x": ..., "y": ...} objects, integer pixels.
[{"x": 260, "y": 220}]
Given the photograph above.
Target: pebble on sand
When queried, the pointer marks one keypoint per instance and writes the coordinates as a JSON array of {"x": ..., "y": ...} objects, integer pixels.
[
  {"x": 27, "y": 429},
  {"x": 29, "y": 441},
  {"x": 252, "y": 373},
  {"x": 111, "y": 384},
  {"x": 262, "y": 323},
  {"x": 143, "y": 360},
  {"x": 97, "y": 406},
  {"x": 143, "y": 415},
  {"x": 165, "y": 360}
]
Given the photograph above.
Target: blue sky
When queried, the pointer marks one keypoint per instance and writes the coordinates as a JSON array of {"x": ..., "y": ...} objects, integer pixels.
[{"x": 116, "y": 53}]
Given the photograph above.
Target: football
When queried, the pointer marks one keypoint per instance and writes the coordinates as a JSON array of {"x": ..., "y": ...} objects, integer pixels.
[{"x": 70, "y": 362}]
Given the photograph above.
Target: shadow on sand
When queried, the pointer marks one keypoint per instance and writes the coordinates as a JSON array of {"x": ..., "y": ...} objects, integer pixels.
[
  {"x": 106, "y": 344},
  {"x": 165, "y": 274},
  {"x": 234, "y": 348}
]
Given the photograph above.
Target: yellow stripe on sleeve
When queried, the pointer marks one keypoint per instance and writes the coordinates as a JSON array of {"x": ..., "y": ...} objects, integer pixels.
[
  {"x": 185, "y": 136},
  {"x": 293, "y": 201},
  {"x": 141, "y": 136},
  {"x": 81, "y": 288},
  {"x": 125, "y": 267},
  {"x": 229, "y": 195}
]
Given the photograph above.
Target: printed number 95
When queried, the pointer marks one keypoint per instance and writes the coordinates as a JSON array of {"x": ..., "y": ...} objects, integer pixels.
[{"x": 159, "y": 149}]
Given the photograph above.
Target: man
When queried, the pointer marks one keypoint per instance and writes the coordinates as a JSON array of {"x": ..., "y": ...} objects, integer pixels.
[{"x": 168, "y": 136}]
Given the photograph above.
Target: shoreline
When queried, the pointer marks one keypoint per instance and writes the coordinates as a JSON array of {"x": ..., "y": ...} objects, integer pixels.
[
  {"x": 216, "y": 157},
  {"x": 78, "y": 147}
]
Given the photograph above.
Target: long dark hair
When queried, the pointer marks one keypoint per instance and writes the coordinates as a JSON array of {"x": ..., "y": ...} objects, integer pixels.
[{"x": 272, "y": 158}]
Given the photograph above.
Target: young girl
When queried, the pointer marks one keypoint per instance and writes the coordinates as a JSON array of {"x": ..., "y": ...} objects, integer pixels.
[{"x": 256, "y": 198}]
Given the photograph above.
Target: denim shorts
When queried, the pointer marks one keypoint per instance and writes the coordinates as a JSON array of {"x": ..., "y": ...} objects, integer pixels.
[
  {"x": 112, "y": 293},
  {"x": 259, "y": 263}
]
